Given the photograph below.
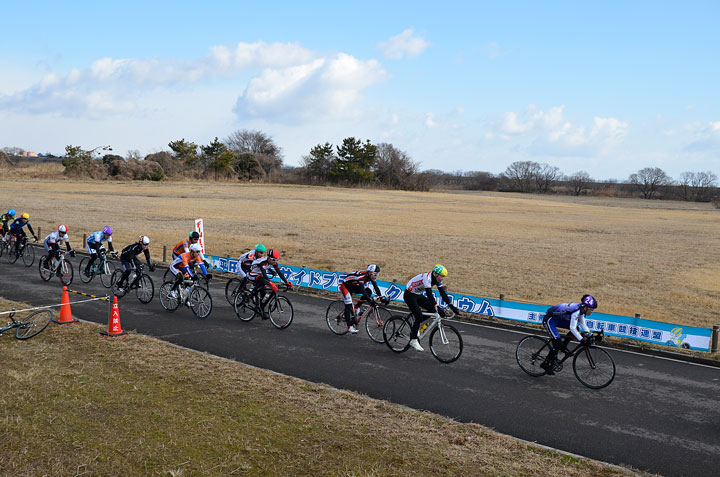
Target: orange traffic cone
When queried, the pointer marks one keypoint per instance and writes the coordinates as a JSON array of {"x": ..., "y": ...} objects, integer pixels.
[
  {"x": 65, "y": 313},
  {"x": 114, "y": 328}
]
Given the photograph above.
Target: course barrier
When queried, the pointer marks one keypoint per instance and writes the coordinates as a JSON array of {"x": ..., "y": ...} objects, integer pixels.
[{"x": 635, "y": 328}]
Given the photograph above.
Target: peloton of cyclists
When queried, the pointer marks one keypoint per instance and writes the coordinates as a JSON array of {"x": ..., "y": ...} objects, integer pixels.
[
  {"x": 129, "y": 261},
  {"x": 259, "y": 275},
  {"x": 355, "y": 283},
  {"x": 569, "y": 316},
  {"x": 5, "y": 220},
  {"x": 52, "y": 245},
  {"x": 95, "y": 245},
  {"x": 418, "y": 294},
  {"x": 16, "y": 229}
]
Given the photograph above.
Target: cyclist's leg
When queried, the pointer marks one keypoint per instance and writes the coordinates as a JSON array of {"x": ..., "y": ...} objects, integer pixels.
[
  {"x": 20, "y": 237},
  {"x": 551, "y": 324},
  {"x": 347, "y": 299},
  {"x": 178, "y": 277},
  {"x": 413, "y": 302},
  {"x": 127, "y": 267},
  {"x": 93, "y": 250}
]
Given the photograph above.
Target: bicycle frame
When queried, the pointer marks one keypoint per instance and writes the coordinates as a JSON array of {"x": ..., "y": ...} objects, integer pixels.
[{"x": 436, "y": 323}]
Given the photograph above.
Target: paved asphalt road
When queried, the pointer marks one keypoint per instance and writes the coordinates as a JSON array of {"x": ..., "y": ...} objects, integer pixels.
[{"x": 658, "y": 415}]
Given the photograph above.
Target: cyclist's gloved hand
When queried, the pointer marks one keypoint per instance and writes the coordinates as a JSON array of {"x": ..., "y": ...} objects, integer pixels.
[
  {"x": 586, "y": 336},
  {"x": 35, "y": 238},
  {"x": 455, "y": 309},
  {"x": 385, "y": 300},
  {"x": 273, "y": 287},
  {"x": 208, "y": 276},
  {"x": 289, "y": 285},
  {"x": 152, "y": 267},
  {"x": 72, "y": 253}
]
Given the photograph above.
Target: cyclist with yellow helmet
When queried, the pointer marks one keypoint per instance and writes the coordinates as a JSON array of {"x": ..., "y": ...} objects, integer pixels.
[
  {"x": 16, "y": 229},
  {"x": 418, "y": 294}
]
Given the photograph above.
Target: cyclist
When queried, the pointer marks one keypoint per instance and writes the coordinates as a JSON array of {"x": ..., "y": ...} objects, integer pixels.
[
  {"x": 5, "y": 220},
  {"x": 259, "y": 275},
  {"x": 246, "y": 261},
  {"x": 95, "y": 245},
  {"x": 182, "y": 264},
  {"x": 52, "y": 244},
  {"x": 355, "y": 283},
  {"x": 418, "y": 293},
  {"x": 184, "y": 245},
  {"x": 128, "y": 258},
  {"x": 570, "y": 316},
  {"x": 16, "y": 229}
]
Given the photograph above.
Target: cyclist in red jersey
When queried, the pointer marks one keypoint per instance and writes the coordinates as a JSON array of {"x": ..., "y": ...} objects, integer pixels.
[{"x": 355, "y": 283}]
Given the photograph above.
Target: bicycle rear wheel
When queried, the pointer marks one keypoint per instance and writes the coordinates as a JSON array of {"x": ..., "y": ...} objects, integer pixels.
[
  {"x": 594, "y": 367},
  {"x": 530, "y": 353},
  {"x": 281, "y": 312},
  {"x": 244, "y": 307},
  {"x": 446, "y": 344},
  {"x": 106, "y": 273},
  {"x": 66, "y": 273},
  {"x": 396, "y": 333},
  {"x": 232, "y": 288},
  {"x": 115, "y": 280},
  {"x": 81, "y": 271},
  {"x": 170, "y": 300},
  {"x": 335, "y": 317},
  {"x": 28, "y": 255},
  {"x": 374, "y": 323},
  {"x": 145, "y": 290},
  {"x": 10, "y": 252},
  {"x": 45, "y": 273},
  {"x": 33, "y": 324},
  {"x": 200, "y": 302}
]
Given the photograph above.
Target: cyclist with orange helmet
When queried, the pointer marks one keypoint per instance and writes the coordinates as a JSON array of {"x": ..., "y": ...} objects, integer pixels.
[
  {"x": 570, "y": 316},
  {"x": 418, "y": 294},
  {"x": 16, "y": 229}
]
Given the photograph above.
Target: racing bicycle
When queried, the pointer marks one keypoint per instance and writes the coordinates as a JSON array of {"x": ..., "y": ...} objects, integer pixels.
[
  {"x": 24, "y": 250},
  {"x": 58, "y": 266},
  {"x": 277, "y": 308},
  {"x": 374, "y": 315},
  {"x": 141, "y": 282},
  {"x": 102, "y": 266},
  {"x": 592, "y": 366},
  {"x": 446, "y": 344},
  {"x": 29, "y": 326},
  {"x": 190, "y": 292}
]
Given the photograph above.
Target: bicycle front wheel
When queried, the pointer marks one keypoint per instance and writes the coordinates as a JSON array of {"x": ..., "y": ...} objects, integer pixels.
[
  {"x": 169, "y": 299},
  {"x": 45, "y": 273},
  {"x": 335, "y": 317},
  {"x": 106, "y": 273},
  {"x": 530, "y": 353},
  {"x": 145, "y": 290},
  {"x": 232, "y": 288},
  {"x": 200, "y": 302},
  {"x": 66, "y": 273},
  {"x": 374, "y": 323},
  {"x": 281, "y": 312},
  {"x": 396, "y": 333},
  {"x": 10, "y": 252},
  {"x": 594, "y": 367},
  {"x": 33, "y": 324},
  {"x": 446, "y": 344},
  {"x": 28, "y": 255}
]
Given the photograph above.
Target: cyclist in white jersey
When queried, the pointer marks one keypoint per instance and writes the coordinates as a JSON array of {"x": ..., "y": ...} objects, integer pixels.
[{"x": 52, "y": 244}]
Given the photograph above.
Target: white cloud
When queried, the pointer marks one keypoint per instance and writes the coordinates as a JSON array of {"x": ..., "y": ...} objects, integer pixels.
[
  {"x": 430, "y": 121},
  {"x": 403, "y": 45},
  {"x": 703, "y": 137}
]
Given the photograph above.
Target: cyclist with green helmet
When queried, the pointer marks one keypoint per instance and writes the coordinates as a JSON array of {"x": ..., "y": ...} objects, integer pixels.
[
  {"x": 184, "y": 245},
  {"x": 418, "y": 294},
  {"x": 246, "y": 259}
]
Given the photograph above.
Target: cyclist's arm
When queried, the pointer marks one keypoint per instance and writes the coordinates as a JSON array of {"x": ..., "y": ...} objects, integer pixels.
[
  {"x": 147, "y": 257},
  {"x": 431, "y": 297},
  {"x": 377, "y": 288},
  {"x": 280, "y": 274},
  {"x": 576, "y": 319},
  {"x": 110, "y": 245},
  {"x": 447, "y": 299},
  {"x": 31, "y": 230},
  {"x": 67, "y": 245},
  {"x": 200, "y": 262}
]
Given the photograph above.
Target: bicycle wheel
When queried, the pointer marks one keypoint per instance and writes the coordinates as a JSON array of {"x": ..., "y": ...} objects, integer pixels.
[
  {"x": 33, "y": 324},
  {"x": 170, "y": 300},
  {"x": 81, "y": 271},
  {"x": 335, "y": 317},
  {"x": 115, "y": 280},
  {"x": 244, "y": 307},
  {"x": 200, "y": 302},
  {"x": 396, "y": 333},
  {"x": 45, "y": 273},
  {"x": 281, "y": 312},
  {"x": 446, "y": 343},
  {"x": 167, "y": 275},
  {"x": 594, "y": 367},
  {"x": 66, "y": 273},
  {"x": 3, "y": 245},
  {"x": 145, "y": 290},
  {"x": 232, "y": 288},
  {"x": 374, "y": 323},
  {"x": 530, "y": 353},
  {"x": 106, "y": 273},
  {"x": 10, "y": 252},
  {"x": 28, "y": 255}
]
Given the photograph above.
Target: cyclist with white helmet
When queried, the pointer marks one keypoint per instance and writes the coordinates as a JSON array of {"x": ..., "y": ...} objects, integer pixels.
[
  {"x": 418, "y": 294},
  {"x": 16, "y": 229},
  {"x": 95, "y": 245},
  {"x": 259, "y": 274},
  {"x": 129, "y": 261},
  {"x": 52, "y": 244},
  {"x": 180, "y": 267},
  {"x": 569, "y": 316},
  {"x": 355, "y": 283},
  {"x": 5, "y": 220}
]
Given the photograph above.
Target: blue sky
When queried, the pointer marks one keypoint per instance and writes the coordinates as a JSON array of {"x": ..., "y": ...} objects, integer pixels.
[{"x": 604, "y": 87}]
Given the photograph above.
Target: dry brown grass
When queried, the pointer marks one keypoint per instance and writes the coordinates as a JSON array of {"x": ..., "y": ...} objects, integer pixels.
[
  {"x": 75, "y": 403},
  {"x": 658, "y": 258}
]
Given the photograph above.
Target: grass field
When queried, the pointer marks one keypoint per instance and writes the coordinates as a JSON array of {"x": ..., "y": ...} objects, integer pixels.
[
  {"x": 76, "y": 403},
  {"x": 657, "y": 258}
]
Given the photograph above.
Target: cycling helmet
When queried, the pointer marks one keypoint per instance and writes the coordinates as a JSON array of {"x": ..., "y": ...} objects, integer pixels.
[
  {"x": 195, "y": 248},
  {"x": 11, "y": 212},
  {"x": 260, "y": 248},
  {"x": 440, "y": 270},
  {"x": 589, "y": 301},
  {"x": 107, "y": 230},
  {"x": 274, "y": 254},
  {"x": 194, "y": 235},
  {"x": 373, "y": 268},
  {"x": 25, "y": 215},
  {"x": 62, "y": 229},
  {"x": 144, "y": 239}
]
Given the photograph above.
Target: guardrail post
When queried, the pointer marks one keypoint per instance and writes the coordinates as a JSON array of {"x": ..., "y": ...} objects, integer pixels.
[
  {"x": 109, "y": 302},
  {"x": 637, "y": 315},
  {"x": 164, "y": 253},
  {"x": 39, "y": 232},
  {"x": 84, "y": 239},
  {"x": 714, "y": 348},
  {"x": 502, "y": 296}
]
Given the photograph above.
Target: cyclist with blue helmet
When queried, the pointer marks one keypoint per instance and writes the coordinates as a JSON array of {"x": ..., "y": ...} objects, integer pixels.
[
  {"x": 570, "y": 316},
  {"x": 5, "y": 220},
  {"x": 95, "y": 245},
  {"x": 418, "y": 294}
]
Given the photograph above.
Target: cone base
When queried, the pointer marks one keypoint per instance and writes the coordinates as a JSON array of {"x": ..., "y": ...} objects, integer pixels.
[
  {"x": 66, "y": 322},
  {"x": 112, "y": 335}
]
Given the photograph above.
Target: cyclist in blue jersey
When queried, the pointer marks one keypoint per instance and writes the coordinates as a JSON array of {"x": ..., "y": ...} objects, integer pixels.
[
  {"x": 570, "y": 316},
  {"x": 16, "y": 229},
  {"x": 95, "y": 245}
]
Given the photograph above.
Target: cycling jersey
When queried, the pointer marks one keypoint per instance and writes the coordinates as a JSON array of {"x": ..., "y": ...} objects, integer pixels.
[
  {"x": 360, "y": 278},
  {"x": 182, "y": 262},
  {"x": 247, "y": 258},
  {"x": 4, "y": 221},
  {"x": 565, "y": 315},
  {"x": 133, "y": 250},
  {"x": 182, "y": 247},
  {"x": 18, "y": 224},
  {"x": 53, "y": 240},
  {"x": 423, "y": 283},
  {"x": 260, "y": 267}
]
